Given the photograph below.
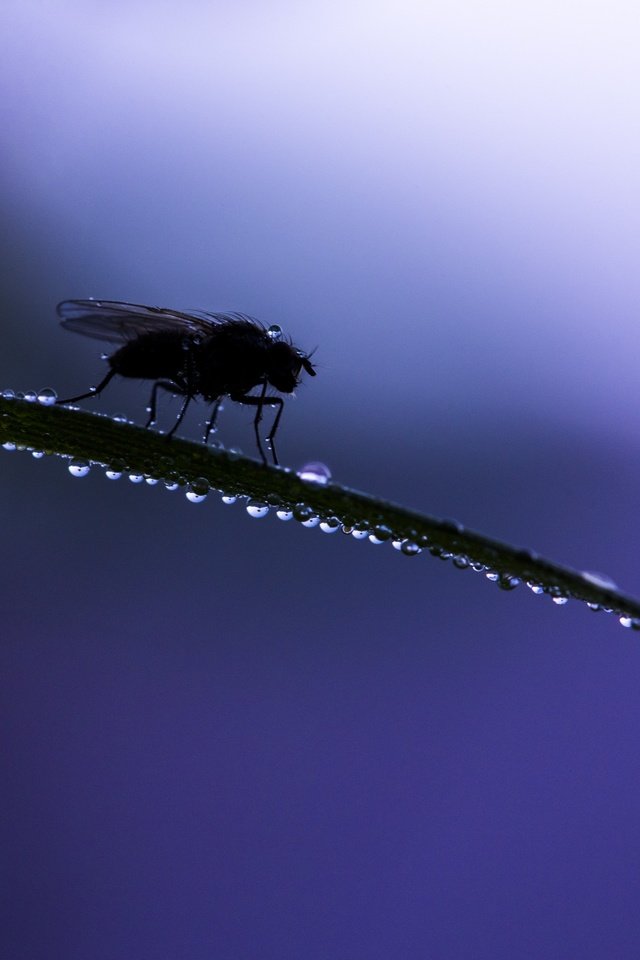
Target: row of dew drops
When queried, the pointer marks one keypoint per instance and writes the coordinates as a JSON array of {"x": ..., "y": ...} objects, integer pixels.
[{"x": 319, "y": 474}]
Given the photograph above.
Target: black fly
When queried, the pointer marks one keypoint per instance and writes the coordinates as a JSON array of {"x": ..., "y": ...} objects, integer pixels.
[{"x": 208, "y": 355}]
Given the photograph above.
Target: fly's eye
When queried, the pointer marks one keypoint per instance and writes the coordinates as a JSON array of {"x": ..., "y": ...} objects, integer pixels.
[{"x": 283, "y": 358}]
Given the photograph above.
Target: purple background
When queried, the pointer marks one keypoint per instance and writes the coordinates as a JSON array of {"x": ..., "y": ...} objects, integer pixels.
[{"x": 232, "y": 738}]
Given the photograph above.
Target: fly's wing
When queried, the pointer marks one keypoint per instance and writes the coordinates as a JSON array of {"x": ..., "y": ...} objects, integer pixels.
[{"x": 116, "y": 322}]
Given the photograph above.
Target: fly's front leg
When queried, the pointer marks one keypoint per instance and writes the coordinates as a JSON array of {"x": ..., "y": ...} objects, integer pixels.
[{"x": 94, "y": 392}]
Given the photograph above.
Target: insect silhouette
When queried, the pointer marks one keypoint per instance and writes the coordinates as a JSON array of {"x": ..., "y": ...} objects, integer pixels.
[{"x": 208, "y": 355}]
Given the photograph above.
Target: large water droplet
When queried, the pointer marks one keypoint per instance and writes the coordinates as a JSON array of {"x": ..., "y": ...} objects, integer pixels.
[
  {"x": 228, "y": 499},
  {"x": 257, "y": 509},
  {"x": 599, "y": 580},
  {"x": 315, "y": 472},
  {"x": 47, "y": 397},
  {"x": 79, "y": 468},
  {"x": 284, "y": 514},
  {"x": 380, "y": 534},
  {"x": 311, "y": 522},
  {"x": 136, "y": 477},
  {"x": 112, "y": 474},
  {"x": 275, "y": 332},
  {"x": 360, "y": 533},
  {"x": 8, "y": 445},
  {"x": 31, "y": 396}
]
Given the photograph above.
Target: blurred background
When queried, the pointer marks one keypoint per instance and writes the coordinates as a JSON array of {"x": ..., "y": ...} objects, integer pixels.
[{"x": 224, "y": 737}]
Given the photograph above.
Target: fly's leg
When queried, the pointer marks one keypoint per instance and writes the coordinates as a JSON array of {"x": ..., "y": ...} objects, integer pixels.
[
  {"x": 180, "y": 418},
  {"x": 94, "y": 392},
  {"x": 260, "y": 402},
  {"x": 153, "y": 399},
  {"x": 211, "y": 422}
]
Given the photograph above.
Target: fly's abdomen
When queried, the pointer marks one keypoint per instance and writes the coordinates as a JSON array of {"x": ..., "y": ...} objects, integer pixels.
[{"x": 156, "y": 356}]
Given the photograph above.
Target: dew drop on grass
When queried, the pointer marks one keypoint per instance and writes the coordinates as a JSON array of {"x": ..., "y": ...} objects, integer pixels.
[
  {"x": 360, "y": 534},
  {"x": 560, "y": 601},
  {"x": 311, "y": 522},
  {"x": 197, "y": 490},
  {"x": 315, "y": 472},
  {"x": 257, "y": 509},
  {"x": 228, "y": 499},
  {"x": 31, "y": 396},
  {"x": 9, "y": 394},
  {"x": 8, "y": 445},
  {"x": 112, "y": 474},
  {"x": 37, "y": 454},
  {"x": 136, "y": 477},
  {"x": 79, "y": 468},
  {"x": 508, "y": 582},
  {"x": 47, "y": 397},
  {"x": 331, "y": 525},
  {"x": 410, "y": 549},
  {"x": 284, "y": 514},
  {"x": 631, "y": 623}
]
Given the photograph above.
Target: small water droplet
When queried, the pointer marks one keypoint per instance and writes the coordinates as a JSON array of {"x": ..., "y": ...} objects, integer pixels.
[
  {"x": 9, "y": 394},
  {"x": 380, "y": 534},
  {"x": 560, "y": 600},
  {"x": 360, "y": 534},
  {"x": 397, "y": 544},
  {"x": 410, "y": 549},
  {"x": 302, "y": 512},
  {"x": 112, "y": 474},
  {"x": 8, "y": 445},
  {"x": 595, "y": 607},
  {"x": 330, "y": 525},
  {"x": 536, "y": 588},
  {"x": 151, "y": 481},
  {"x": 315, "y": 472},
  {"x": 37, "y": 454},
  {"x": 31, "y": 396},
  {"x": 461, "y": 562},
  {"x": 119, "y": 418},
  {"x": 257, "y": 509},
  {"x": 311, "y": 522},
  {"x": 197, "y": 490},
  {"x": 234, "y": 453},
  {"x": 171, "y": 485},
  {"x": 47, "y": 397},
  {"x": 284, "y": 514},
  {"x": 493, "y": 576},
  {"x": 630, "y": 622},
  {"x": 228, "y": 499},
  {"x": 478, "y": 567},
  {"x": 136, "y": 477},
  {"x": 79, "y": 468},
  {"x": 508, "y": 582},
  {"x": 275, "y": 332}
]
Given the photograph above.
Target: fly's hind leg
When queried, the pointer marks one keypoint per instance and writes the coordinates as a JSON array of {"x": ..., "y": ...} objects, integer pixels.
[
  {"x": 93, "y": 392},
  {"x": 211, "y": 422},
  {"x": 260, "y": 402}
]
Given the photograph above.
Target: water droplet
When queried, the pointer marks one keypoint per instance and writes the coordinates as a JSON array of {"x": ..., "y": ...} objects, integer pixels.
[
  {"x": 284, "y": 514},
  {"x": 315, "y": 472},
  {"x": 31, "y": 396},
  {"x": 397, "y": 544},
  {"x": 461, "y": 562},
  {"x": 311, "y": 522},
  {"x": 151, "y": 481},
  {"x": 119, "y": 418},
  {"x": 302, "y": 512},
  {"x": 228, "y": 499},
  {"x": 536, "y": 588},
  {"x": 595, "y": 607},
  {"x": 8, "y": 445},
  {"x": 234, "y": 453},
  {"x": 136, "y": 477},
  {"x": 508, "y": 582},
  {"x": 79, "y": 468},
  {"x": 478, "y": 567},
  {"x": 171, "y": 485},
  {"x": 560, "y": 600},
  {"x": 197, "y": 490},
  {"x": 630, "y": 622},
  {"x": 410, "y": 549},
  {"x": 599, "y": 580},
  {"x": 359, "y": 534},
  {"x": 275, "y": 332},
  {"x": 493, "y": 576},
  {"x": 9, "y": 394},
  {"x": 257, "y": 509},
  {"x": 330, "y": 525},
  {"x": 112, "y": 474},
  {"x": 47, "y": 397},
  {"x": 380, "y": 534}
]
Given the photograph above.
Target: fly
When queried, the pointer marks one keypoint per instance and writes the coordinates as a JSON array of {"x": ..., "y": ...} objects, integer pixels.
[{"x": 208, "y": 355}]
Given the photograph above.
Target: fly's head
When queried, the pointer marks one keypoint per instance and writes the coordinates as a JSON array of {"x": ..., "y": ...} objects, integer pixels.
[{"x": 284, "y": 363}]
